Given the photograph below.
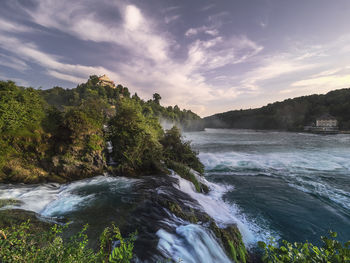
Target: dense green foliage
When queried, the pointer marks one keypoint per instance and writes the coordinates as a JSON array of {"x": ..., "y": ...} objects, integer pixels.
[
  {"x": 142, "y": 147},
  {"x": 63, "y": 98},
  {"x": 178, "y": 150},
  {"x": 291, "y": 114},
  {"x": 135, "y": 139},
  {"x": 179, "y": 157},
  {"x": 19, "y": 244},
  {"x": 59, "y": 135},
  {"x": 331, "y": 251},
  {"x": 40, "y": 142}
]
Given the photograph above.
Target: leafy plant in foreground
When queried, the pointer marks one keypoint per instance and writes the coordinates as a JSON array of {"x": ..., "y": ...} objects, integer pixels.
[
  {"x": 19, "y": 244},
  {"x": 331, "y": 251}
]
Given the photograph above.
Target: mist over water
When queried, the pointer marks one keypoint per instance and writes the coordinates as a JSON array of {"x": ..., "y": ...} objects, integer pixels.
[{"x": 291, "y": 185}]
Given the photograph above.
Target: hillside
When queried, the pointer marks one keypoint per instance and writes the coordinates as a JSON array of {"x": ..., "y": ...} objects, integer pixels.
[
  {"x": 290, "y": 114},
  {"x": 63, "y": 134}
]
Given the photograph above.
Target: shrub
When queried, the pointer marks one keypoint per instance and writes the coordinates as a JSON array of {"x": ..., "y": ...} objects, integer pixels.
[
  {"x": 175, "y": 149},
  {"x": 136, "y": 148}
]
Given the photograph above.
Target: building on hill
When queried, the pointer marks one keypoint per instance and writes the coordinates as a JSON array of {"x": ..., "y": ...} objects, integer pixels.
[
  {"x": 104, "y": 80},
  {"x": 326, "y": 124},
  {"x": 326, "y": 120}
]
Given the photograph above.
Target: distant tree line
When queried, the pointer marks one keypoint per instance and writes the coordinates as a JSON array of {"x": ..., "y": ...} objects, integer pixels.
[{"x": 290, "y": 114}]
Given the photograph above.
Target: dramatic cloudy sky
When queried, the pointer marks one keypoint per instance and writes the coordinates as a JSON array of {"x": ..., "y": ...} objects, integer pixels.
[{"x": 208, "y": 56}]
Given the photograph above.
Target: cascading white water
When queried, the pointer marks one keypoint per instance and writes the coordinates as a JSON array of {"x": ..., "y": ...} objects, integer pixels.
[
  {"x": 224, "y": 213},
  {"x": 195, "y": 243},
  {"x": 292, "y": 185},
  {"x": 109, "y": 147},
  {"x": 53, "y": 199},
  {"x": 110, "y": 151},
  {"x": 191, "y": 244}
]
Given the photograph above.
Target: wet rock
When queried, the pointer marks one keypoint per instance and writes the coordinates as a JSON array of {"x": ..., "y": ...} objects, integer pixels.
[{"x": 231, "y": 239}]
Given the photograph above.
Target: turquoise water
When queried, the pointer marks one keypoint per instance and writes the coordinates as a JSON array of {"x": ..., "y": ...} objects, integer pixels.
[{"x": 291, "y": 186}]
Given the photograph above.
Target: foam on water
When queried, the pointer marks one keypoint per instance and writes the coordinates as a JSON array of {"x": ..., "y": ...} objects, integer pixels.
[
  {"x": 55, "y": 200},
  {"x": 223, "y": 213},
  {"x": 305, "y": 161},
  {"x": 323, "y": 190},
  {"x": 307, "y": 171},
  {"x": 312, "y": 164}
]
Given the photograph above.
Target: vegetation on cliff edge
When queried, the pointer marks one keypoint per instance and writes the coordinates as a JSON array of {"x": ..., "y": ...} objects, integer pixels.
[
  {"x": 59, "y": 134},
  {"x": 20, "y": 244}
]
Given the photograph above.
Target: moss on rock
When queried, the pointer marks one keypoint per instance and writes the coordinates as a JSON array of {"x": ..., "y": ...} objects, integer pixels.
[
  {"x": 176, "y": 209},
  {"x": 11, "y": 217},
  {"x": 6, "y": 202},
  {"x": 232, "y": 241},
  {"x": 185, "y": 172}
]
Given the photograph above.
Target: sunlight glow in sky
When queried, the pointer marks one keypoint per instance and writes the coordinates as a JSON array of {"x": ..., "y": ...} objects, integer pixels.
[{"x": 207, "y": 56}]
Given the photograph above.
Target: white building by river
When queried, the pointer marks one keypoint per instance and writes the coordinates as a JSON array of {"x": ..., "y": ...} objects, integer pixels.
[
  {"x": 326, "y": 124},
  {"x": 326, "y": 121}
]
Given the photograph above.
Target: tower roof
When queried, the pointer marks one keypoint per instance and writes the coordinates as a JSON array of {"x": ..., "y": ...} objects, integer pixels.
[{"x": 105, "y": 78}]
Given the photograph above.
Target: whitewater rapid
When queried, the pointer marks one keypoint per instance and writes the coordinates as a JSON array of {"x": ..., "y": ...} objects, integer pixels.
[
  {"x": 179, "y": 240},
  {"x": 55, "y": 200},
  {"x": 269, "y": 184},
  {"x": 290, "y": 185}
]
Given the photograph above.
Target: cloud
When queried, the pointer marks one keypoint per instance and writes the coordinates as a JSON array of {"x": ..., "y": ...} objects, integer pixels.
[
  {"x": 151, "y": 64},
  {"x": 134, "y": 33},
  {"x": 18, "y": 81},
  {"x": 66, "y": 77},
  {"x": 170, "y": 19},
  {"x": 272, "y": 68},
  {"x": 321, "y": 84},
  {"x": 171, "y": 8},
  {"x": 30, "y": 52},
  {"x": 263, "y": 24},
  {"x": 133, "y": 18},
  {"x": 218, "y": 52},
  {"x": 9, "y": 26},
  {"x": 207, "y": 7},
  {"x": 324, "y": 83},
  {"x": 12, "y": 62},
  {"x": 203, "y": 29}
]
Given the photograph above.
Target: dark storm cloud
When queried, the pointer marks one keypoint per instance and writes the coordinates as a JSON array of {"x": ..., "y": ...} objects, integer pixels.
[{"x": 208, "y": 56}]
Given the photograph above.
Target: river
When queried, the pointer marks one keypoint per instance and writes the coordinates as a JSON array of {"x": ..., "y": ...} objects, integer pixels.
[
  {"x": 293, "y": 186},
  {"x": 271, "y": 184}
]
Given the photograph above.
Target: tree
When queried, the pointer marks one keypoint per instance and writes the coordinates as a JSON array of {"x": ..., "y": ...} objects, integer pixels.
[
  {"x": 175, "y": 149},
  {"x": 156, "y": 98},
  {"x": 134, "y": 137}
]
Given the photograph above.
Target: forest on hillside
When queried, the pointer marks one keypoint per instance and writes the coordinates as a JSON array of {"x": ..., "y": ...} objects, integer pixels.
[
  {"x": 61, "y": 134},
  {"x": 290, "y": 114}
]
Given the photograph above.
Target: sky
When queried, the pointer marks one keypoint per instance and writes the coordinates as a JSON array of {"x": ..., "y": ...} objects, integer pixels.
[{"x": 207, "y": 56}]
